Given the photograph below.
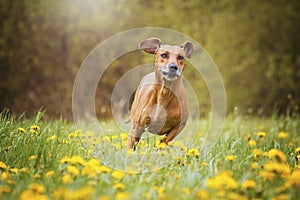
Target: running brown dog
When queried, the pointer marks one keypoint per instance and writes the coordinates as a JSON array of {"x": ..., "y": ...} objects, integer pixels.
[{"x": 159, "y": 105}]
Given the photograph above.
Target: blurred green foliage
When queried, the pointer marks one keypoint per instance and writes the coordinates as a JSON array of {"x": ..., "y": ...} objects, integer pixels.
[{"x": 255, "y": 44}]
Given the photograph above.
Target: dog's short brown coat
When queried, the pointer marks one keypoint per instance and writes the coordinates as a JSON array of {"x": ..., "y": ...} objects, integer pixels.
[{"x": 159, "y": 103}]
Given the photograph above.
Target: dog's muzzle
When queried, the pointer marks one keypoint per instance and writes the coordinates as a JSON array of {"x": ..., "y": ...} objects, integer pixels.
[{"x": 170, "y": 72}]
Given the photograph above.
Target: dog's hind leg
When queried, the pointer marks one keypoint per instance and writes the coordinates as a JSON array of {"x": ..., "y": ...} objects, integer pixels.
[{"x": 172, "y": 134}]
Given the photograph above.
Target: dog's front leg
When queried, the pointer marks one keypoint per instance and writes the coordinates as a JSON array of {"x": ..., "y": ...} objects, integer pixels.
[{"x": 134, "y": 136}]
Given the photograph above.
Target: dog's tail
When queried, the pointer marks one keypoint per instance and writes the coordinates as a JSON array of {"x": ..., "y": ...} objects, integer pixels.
[{"x": 130, "y": 106}]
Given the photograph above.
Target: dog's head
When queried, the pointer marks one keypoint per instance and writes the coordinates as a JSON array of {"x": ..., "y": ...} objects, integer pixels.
[{"x": 169, "y": 60}]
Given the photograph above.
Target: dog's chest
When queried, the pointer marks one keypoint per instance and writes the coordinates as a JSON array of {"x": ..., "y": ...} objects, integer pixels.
[{"x": 164, "y": 111}]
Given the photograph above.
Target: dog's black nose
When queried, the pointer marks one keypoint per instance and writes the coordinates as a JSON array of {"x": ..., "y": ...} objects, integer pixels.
[{"x": 173, "y": 67}]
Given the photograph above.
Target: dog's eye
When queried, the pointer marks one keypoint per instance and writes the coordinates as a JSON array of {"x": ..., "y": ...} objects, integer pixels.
[
  {"x": 164, "y": 55},
  {"x": 180, "y": 57}
]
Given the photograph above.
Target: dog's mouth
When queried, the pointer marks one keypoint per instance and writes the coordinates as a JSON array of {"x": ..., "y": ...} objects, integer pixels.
[{"x": 170, "y": 75}]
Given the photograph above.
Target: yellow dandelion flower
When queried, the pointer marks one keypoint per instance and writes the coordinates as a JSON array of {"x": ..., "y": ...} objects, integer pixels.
[
  {"x": 280, "y": 197},
  {"x": 14, "y": 170},
  {"x": 230, "y": 157},
  {"x": 186, "y": 191},
  {"x": 122, "y": 196},
  {"x": 4, "y": 190},
  {"x": 162, "y": 138},
  {"x": 51, "y": 138},
  {"x": 76, "y": 160},
  {"x": 25, "y": 170},
  {"x": 114, "y": 137},
  {"x": 177, "y": 176},
  {"x": 92, "y": 183},
  {"x": 33, "y": 157},
  {"x": 37, "y": 187},
  {"x": 37, "y": 176},
  {"x": 252, "y": 143},
  {"x": 279, "y": 168},
  {"x": 67, "y": 178},
  {"x": 61, "y": 193},
  {"x": 82, "y": 193},
  {"x": 30, "y": 194},
  {"x": 65, "y": 141},
  {"x": 161, "y": 145},
  {"x": 49, "y": 174},
  {"x": 104, "y": 169},
  {"x": 124, "y": 136},
  {"x": 119, "y": 186},
  {"x": 22, "y": 130},
  {"x": 90, "y": 171},
  {"x": 73, "y": 170},
  {"x": 294, "y": 179},
  {"x": 283, "y": 134},
  {"x": 117, "y": 146},
  {"x": 161, "y": 190},
  {"x": 73, "y": 135},
  {"x": 11, "y": 182},
  {"x": 92, "y": 161},
  {"x": 129, "y": 152},
  {"x": 261, "y": 134},
  {"x": 91, "y": 168},
  {"x": 4, "y": 175},
  {"x": 65, "y": 160},
  {"x": 35, "y": 191},
  {"x": 277, "y": 155},
  {"x": 282, "y": 188},
  {"x": 193, "y": 152},
  {"x": 222, "y": 180},
  {"x": 202, "y": 194},
  {"x": 2, "y": 165},
  {"x": 236, "y": 196},
  {"x": 266, "y": 175},
  {"x": 253, "y": 166},
  {"x": 34, "y": 129},
  {"x": 142, "y": 144},
  {"x": 106, "y": 138},
  {"x": 118, "y": 174},
  {"x": 297, "y": 150},
  {"x": 257, "y": 153},
  {"x": 104, "y": 197},
  {"x": 249, "y": 184},
  {"x": 221, "y": 193}
]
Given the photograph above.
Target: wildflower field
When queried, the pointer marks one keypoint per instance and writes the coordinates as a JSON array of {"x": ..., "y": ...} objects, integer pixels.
[{"x": 254, "y": 158}]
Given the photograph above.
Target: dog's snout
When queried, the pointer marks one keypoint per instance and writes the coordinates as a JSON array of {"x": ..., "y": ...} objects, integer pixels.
[{"x": 173, "y": 67}]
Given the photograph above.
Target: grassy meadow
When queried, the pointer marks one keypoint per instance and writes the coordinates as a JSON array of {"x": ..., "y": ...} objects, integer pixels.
[{"x": 254, "y": 158}]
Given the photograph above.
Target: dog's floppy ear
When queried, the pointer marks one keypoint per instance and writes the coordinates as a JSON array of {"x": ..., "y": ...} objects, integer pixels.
[
  {"x": 188, "y": 48},
  {"x": 150, "y": 45}
]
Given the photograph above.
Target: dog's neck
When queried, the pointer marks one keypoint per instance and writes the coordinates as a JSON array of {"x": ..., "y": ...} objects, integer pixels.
[{"x": 171, "y": 85}]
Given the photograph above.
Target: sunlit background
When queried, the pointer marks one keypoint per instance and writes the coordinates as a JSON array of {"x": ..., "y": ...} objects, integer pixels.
[{"x": 255, "y": 44}]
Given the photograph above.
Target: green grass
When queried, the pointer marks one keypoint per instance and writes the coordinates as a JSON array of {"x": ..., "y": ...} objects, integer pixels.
[{"x": 56, "y": 160}]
